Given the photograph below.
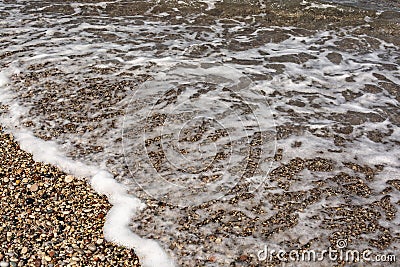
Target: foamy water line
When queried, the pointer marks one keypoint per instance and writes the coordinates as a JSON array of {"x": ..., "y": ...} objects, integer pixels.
[
  {"x": 80, "y": 81},
  {"x": 124, "y": 206}
]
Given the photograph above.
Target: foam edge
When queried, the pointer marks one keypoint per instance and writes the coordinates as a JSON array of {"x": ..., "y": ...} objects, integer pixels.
[{"x": 124, "y": 206}]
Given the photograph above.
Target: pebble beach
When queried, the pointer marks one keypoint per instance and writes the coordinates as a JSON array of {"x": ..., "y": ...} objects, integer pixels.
[
  {"x": 44, "y": 216},
  {"x": 236, "y": 126}
]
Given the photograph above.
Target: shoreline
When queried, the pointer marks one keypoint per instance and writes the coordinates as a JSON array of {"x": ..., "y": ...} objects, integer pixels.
[
  {"x": 54, "y": 219},
  {"x": 45, "y": 219}
]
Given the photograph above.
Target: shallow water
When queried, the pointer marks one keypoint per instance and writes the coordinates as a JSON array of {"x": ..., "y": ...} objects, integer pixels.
[
  {"x": 235, "y": 133},
  {"x": 387, "y": 5}
]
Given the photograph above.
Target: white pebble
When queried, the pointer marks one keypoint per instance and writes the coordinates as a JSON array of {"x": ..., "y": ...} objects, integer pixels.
[
  {"x": 69, "y": 178},
  {"x": 24, "y": 250}
]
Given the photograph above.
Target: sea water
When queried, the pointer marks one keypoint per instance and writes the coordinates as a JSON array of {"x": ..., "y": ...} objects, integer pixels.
[{"x": 180, "y": 123}]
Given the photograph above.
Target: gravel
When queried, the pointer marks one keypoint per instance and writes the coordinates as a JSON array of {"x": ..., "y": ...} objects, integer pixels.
[{"x": 50, "y": 218}]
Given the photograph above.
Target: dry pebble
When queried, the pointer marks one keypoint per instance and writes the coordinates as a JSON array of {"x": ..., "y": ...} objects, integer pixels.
[
  {"x": 34, "y": 187},
  {"x": 53, "y": 219},
  {"x": 69, "y": 178}
]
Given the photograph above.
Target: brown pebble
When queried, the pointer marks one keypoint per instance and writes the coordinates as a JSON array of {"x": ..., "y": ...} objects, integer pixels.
[
  {"x": 34, "y": 188},
  {"x": 243, "y": 258}
]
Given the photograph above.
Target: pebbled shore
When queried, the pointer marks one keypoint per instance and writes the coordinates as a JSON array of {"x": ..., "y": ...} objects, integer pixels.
[
  {"x": 311, "y": 202},
  {"x": 45, "y": 216}
]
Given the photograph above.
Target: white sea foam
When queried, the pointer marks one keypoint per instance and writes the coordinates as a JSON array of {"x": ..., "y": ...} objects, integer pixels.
[
  {"x": 210, "y": 3},
  {"x": 124, "y": 206},
  {"x": 317, "y": 5},
  {"x": 309, "y": 98},
  {"x": 3, "y": 79}
]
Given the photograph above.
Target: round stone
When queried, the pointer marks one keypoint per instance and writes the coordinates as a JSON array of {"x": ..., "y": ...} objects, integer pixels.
[
  {"x": 24, "y": 250},
  {"x": 69, "y": 178},
  {"x": 92, "y": 247},
  {"x": 34, "y": 188}
]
